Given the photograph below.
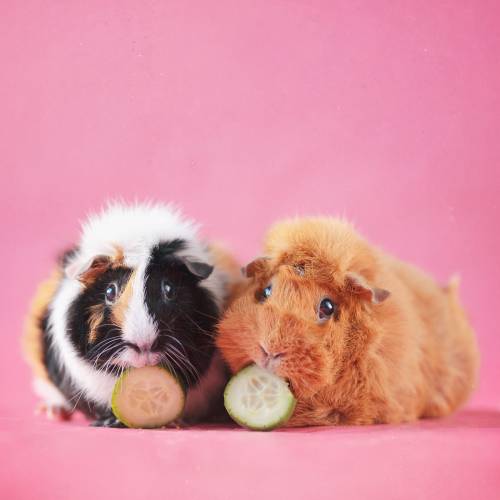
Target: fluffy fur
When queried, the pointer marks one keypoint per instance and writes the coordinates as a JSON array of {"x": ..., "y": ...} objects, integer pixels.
[
  {"x": 398, "y": 348},
  {"x": 78, "y": 342}
]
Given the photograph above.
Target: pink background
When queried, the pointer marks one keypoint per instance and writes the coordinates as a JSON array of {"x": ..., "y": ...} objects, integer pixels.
[{"x": 244, "y": 112}]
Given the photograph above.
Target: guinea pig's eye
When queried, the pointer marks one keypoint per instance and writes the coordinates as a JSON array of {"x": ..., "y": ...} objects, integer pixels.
[
  {"x": 167, "y": 290},
  {"x": 327, "y": 309},
  {"x": 111, "y": 293},
  {"x": 266, "y": 293}
]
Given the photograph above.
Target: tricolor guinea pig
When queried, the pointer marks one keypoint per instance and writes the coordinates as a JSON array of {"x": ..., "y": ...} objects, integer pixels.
[
  {"x": 360, "y": 336},
  {"x": 140, "y": 288}
]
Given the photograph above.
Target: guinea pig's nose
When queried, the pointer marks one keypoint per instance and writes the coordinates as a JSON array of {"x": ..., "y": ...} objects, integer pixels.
[
  {"x": 270, "y": 359},
  {"x": 145, "y": 347},
  {"x": 270, "y": 354},
  {"x": 135, "y": 347}
]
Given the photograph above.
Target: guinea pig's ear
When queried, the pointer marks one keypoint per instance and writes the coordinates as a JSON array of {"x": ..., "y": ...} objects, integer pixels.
[
  {"x": 200, "y": 270},
  {"x": 257, "y": 266},
  {"x": 357, "y": 285},
  {"x": 87, "y": 270}
]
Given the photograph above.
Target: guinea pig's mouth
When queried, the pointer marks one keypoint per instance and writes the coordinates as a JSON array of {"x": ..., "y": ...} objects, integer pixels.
[
  {"x": 133, "y": 359},
  {"x": 129, "y": 355},
  {"x": 273, "y": 364}
]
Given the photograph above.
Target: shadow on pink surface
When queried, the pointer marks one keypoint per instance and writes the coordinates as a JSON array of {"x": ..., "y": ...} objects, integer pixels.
[{"x": 450, "y": 458}]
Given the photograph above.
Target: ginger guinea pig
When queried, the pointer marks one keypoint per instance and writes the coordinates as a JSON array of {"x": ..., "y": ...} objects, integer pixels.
[
  {"x": 140, "y": 288},
  {"x": 361, "y": 337}
]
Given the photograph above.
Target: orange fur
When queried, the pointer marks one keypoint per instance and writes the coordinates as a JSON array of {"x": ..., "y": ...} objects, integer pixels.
[
  {"x": 95, "y": 319},
  {"x": 119, "y": 257},
  {"x": 383, "y": 358},
  {"x": 101, "y": 264},
  {"x": 121, "y": 306},
  {"x": 32, "y": 341},
  {"x": 225, "y": 262}
]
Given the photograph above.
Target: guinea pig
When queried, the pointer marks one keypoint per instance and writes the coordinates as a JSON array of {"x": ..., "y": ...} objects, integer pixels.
[
  {"x": 361, "y": 337},
  {"x": 140, "y": 288}
]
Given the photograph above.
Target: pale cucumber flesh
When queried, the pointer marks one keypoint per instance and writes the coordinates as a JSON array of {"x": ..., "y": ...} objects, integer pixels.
[
  {"x": 258, "y": 399},
  {"x": 147, "y": 397}
]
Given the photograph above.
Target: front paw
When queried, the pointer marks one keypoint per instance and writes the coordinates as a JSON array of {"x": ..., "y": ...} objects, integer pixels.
[
  {"x": 177, "y": 424},
  {"x": 54, "y": 412},
  {"x": 108, "y": 422}
]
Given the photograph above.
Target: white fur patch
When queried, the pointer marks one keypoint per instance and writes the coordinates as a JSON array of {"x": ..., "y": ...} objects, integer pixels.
[
  {"x": 50, "y": 394},
  {"x": 135, "y": 229},
  {"x": 139, "y": 327},
  {"x": 96, "y": 386}
]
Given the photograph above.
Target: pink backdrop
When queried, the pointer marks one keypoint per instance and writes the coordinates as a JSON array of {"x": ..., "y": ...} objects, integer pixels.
[{"x": 244, "y": 112}]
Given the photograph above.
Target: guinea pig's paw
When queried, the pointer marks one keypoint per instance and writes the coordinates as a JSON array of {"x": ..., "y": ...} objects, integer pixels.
[
  {"x": 108, "y": 422},
  {"x": 54, "y": 412},
  {"x": 177, "y": 424}
]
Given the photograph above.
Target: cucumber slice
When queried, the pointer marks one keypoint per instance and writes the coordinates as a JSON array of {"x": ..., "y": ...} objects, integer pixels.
[
  {"x": 147, "y": 397},
  {"x": 258, "y": 399}
]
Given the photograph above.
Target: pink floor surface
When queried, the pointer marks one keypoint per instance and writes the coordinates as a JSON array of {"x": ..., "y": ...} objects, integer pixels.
[
  {"x": 243, "y": 112},
  {"x": 456, "y": 458}
]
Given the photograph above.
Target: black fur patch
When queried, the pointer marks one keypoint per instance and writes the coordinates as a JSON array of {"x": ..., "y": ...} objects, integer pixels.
[
  {"x": 109, "y": 339},
  {"x": 167, "y": 248},
  {"x": 59, "y": 378},
  {"x": 186, "y": 322}
]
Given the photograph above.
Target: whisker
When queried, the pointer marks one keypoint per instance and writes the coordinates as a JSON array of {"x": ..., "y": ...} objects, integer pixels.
[
  {"x": 168, "y": 358},
  {"x": 114, "y": 357},
  {"x": 202, "y": 330},
  {"x": 102, "y": 344},
  {"x": 188, "y": 370},
  {"x": 181, "y": 358},
  {"x": 216, "y": 318},
  {"x": 191, "y": 346},
  {"x": 107, "y": 349},
  {"x": 183, "y": 346},
  {"x": 79, "y": 394}
]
